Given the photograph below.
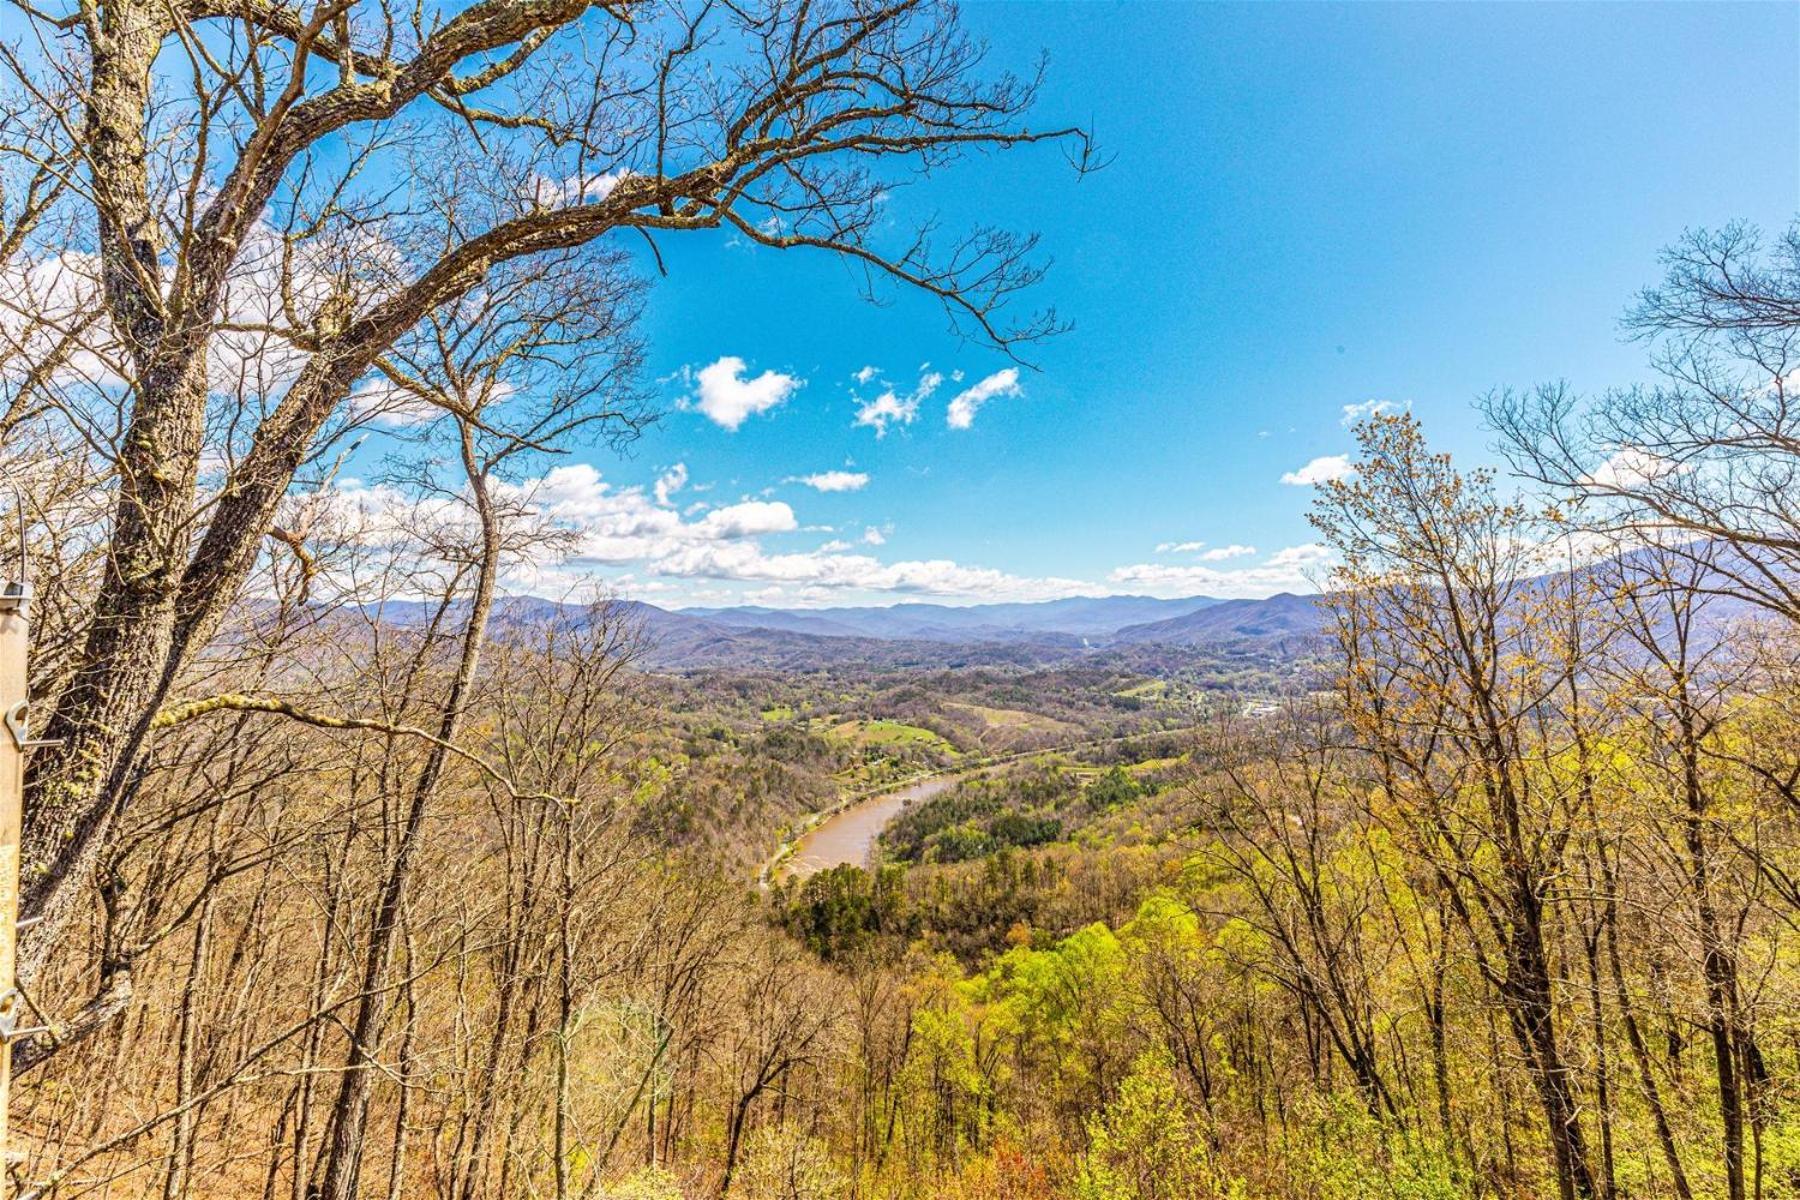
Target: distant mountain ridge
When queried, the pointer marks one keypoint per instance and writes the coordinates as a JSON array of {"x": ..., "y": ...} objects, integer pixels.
[
  {"x": 940, "y": 635},
  {"x": 1078, "y": 616},
  {"x": 918, "y": 634},
  {"x": 1278, "y": 618},
  {"x": 926, "y": 635}
]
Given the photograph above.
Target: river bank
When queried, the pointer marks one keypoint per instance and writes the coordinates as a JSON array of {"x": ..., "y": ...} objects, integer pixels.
[{"x": 850, "y": 835}]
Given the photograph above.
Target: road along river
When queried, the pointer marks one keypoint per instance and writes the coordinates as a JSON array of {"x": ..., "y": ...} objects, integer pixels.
[{"x": 849, "y": 835}]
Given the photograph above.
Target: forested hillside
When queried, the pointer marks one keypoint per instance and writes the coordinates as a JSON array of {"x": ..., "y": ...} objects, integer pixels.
[
  {"x": 1497, "y": 900},
  {"x": 380, "y": 832}
]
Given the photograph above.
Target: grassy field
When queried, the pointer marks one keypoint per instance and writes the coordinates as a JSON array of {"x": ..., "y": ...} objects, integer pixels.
[
  {"x": 888, "y": 733},
  {"x": 1087, "y": 771},
  {"x": 1014, "y": 718}
]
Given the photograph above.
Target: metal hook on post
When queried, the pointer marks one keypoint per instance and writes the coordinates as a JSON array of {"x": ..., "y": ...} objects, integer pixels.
[
  {"x": 18, "y": 723},
  {"x": 11, "y": 1004}
]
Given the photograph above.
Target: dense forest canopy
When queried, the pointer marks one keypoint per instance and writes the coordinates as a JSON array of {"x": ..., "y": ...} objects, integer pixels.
[{"x": 344, "y": 878}]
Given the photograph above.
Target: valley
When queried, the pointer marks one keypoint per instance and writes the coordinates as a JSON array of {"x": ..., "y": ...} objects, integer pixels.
[
  {"x": 899, "y": 600},
  {"x": 1131, "y": 629}
]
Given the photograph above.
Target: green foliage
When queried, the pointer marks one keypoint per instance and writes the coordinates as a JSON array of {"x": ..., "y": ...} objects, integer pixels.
[
  {"x": 651, "y": 1183},
  {"x": 1023, "y": 829},
  {"x": 1350, "y": 1156},
  {"x": 1781, "y": 1150},
  {"x": 781, "y": 1163},
  {"x": 844, "y": 911},
  {"x": 1152, "y": 973},
  {"x": 1147, "y": 1144},
  {"x": 959, "y": 843},
  {"x": 1115, "y": 789},
  {"x": 981, "y": 815}
]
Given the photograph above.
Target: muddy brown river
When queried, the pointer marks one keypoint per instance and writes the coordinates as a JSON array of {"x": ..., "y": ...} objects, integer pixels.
[{"x": 849, "y": 836}]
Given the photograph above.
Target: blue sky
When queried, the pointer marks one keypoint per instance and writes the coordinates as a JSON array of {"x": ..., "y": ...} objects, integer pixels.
[{"x": 1307, "y": 207}]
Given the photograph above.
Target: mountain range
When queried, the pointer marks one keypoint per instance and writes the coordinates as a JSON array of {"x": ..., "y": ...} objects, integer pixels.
[
  {"x": 1279, "y": 627},
  {"x": 920, "y": 634},
  {"x": 1284, "y": 626},
  {"x": 1079, "y": 617},
  {"x": 930, "y": 635}
]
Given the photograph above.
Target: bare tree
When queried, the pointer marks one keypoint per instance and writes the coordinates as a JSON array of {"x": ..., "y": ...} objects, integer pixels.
[
  {"x": 1453, "y": 655},
  {"x": 1708, "y": 459},
  {"x": 1279, "y": 799},
  {"x": 240, "y": 184}
]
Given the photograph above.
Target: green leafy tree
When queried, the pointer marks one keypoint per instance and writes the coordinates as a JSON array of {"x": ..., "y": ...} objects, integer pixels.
[{"x": 1147, "y": 1144}]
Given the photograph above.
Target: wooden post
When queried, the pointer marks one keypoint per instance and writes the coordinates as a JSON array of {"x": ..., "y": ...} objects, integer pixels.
[{"x": 15, "y": 596}]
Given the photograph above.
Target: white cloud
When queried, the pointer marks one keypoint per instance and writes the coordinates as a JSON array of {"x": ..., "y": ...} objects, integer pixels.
[
  {"x": 627, "y": 537},
  {"x": 1368, "y": 408},
  {"x": 724, "y": 393},
  {"x": 269, "y": 275},
  {"x": 968, "y": 402},
  {"x": 819, "y": 571},
  {"x": 611, "y": 527},
  {"x": 1287, "y": 570},
  {"x": 1310, "y": 554},
  {"x": 670, "y": 482},
  {"x": 380, "y": 401},
  {"x": 1320, "y": 470},
  {"x": 49, "y": 300},
  {"x": 1221, "y": 553},
  {"x": 832, "y": 481},
  {"x": 44, "y": 301},
  {"x": 748, "y": 519},
  {"x": 890, "y": 407},
  {"x": 1629, "y": 467},
  {"x": 576, "y": 189},
  {"x": 887, "y": 409},
  {"x": 1216, "y": 554}
]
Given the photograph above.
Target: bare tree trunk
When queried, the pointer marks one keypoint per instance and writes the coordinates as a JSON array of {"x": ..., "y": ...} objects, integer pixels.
[
  {"x": 104, "y": 713},
  {"x": 565, "y": 1000},
  {"x": 1440, "y": 1052},
  {"x": 396, "y": 1189},
  {"x": 1717, "y": 965},
  {"x": 1590, "y": 942},
  {"x": 181, "y": 1133},
  {"x": 1640, "y": 1049},
  {"x": 347, "y": 1128},
  {"x": 1532, "y": 1010}
]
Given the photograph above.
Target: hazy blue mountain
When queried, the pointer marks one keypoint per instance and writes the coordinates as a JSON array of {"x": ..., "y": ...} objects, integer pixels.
[
  {"x": 914, "y": 634},
  {"x": 794, "y": 620},
  {"x": 1095, "y": 618},
  {"x": 1279, "y": 621},
  {"x": 939, "y": 635}
]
